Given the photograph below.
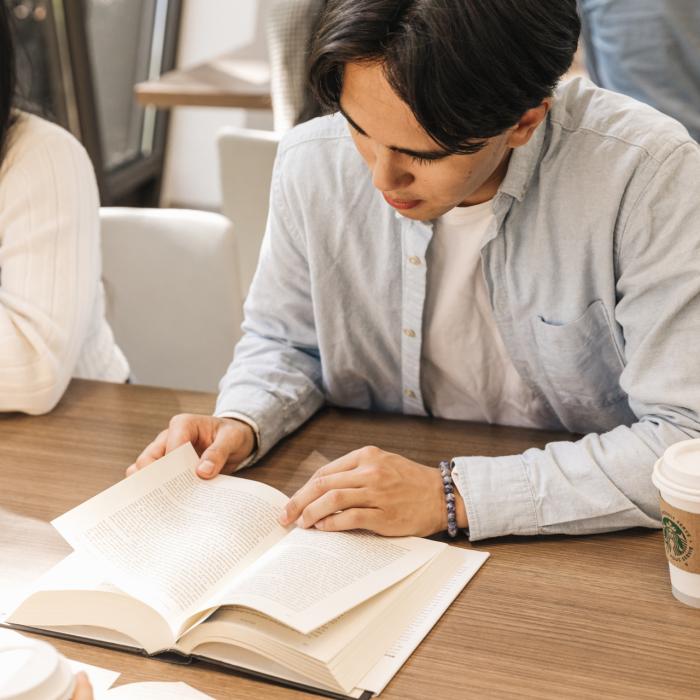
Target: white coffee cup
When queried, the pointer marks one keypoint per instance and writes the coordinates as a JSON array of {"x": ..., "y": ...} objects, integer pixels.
[
  {"x": 677, "y": 476},
  {"x": 32, "y": 670}
]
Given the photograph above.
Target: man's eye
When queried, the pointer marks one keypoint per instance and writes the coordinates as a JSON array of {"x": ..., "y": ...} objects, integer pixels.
[{"x": 422, "y": 161}]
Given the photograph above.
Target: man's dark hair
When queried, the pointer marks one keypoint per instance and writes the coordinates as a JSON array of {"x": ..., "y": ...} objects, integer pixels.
[
  {"x": 468, "y": 69},
  {"x": 7, "y": 76}
]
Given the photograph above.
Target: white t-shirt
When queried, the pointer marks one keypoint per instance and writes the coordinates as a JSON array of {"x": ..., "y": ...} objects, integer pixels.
[
  {"x": 466, "y": 371},
  {"x": 52, "y": 323}
]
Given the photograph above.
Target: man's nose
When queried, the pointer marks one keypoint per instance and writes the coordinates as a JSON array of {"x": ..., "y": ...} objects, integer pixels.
[{"x": 388, "y": 174}]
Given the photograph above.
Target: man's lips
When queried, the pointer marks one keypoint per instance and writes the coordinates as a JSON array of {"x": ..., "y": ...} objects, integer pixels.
[{"x": 401, "y": 203}]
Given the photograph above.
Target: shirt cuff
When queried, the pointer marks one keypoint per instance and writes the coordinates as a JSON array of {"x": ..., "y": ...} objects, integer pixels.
[
  {"x": 248, "y": 421},
  {"x": 497, "y": 496}
]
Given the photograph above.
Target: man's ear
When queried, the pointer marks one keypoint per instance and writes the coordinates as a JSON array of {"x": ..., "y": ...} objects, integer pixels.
[{"x": 522, "y": 132}]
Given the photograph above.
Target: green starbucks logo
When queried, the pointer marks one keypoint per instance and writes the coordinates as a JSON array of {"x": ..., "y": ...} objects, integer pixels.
[{"x": 677, "y": 539}]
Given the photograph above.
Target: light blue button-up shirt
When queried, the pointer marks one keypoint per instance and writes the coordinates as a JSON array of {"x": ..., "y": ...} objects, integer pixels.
[{"x": 593, "y": 270}]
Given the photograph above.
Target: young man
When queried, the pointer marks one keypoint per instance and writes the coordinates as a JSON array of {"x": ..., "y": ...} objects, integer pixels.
[{"x": 461, "y": 240}]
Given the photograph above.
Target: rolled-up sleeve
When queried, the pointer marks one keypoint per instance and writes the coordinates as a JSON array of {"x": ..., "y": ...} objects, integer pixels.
[
  {"x": 602, "y": 482},
  {"x": 275, "y": 376}
]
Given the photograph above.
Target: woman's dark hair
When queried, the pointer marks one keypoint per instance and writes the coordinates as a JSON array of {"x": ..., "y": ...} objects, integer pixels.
[
  {"x": 468, "y": 69},
  {"x": 7, "y": 76}
]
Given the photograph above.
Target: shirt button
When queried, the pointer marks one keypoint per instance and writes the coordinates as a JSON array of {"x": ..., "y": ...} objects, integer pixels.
[
  {"x": 409, "y": 332},
  {"x": 414, "y": 260},
  {"x": 409, "y": 393}
]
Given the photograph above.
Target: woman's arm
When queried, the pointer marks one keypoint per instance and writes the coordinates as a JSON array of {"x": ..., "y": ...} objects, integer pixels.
[{"x": 49, "y": 263}]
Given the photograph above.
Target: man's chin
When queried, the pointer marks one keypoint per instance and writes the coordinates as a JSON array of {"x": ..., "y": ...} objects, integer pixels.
[{"x": 423, "y": 212}]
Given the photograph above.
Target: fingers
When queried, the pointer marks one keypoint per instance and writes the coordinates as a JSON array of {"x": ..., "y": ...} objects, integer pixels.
[
  {"x": 214, "y": 458},
  {"x": 346, "y": 462},
  {"x": 353, "y": 519},
  {"x": 151, "y": 453},
  {"x": 315, "y": 489},
  {"x": 373, "y": 490},
  {"x": 184, "y": 428},
  {"x": 83, "y": 689},
  {"x": 223, "y": 440},
  {"x": 234, "y": 441},
  {"x": 332, "y": 502}
]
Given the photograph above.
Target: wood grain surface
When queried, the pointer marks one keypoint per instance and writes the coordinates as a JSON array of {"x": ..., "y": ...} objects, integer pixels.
[{"x": 555, "y": 617}]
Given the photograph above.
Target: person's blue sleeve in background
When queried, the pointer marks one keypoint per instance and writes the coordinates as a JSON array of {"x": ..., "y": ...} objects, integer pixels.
[{"x": 649, "y": 50}]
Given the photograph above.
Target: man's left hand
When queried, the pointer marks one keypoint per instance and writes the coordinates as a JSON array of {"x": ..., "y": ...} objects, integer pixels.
[{"x": 371, "y": 489}]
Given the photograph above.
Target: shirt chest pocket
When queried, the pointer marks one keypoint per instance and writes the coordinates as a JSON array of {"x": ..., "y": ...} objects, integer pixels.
[{"x": 581, "y": 359}]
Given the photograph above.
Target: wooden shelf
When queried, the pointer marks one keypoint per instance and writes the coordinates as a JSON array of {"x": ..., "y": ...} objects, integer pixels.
[{"x": 222, "y": 82}]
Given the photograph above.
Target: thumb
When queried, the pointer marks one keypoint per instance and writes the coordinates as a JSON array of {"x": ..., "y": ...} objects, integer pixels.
[
  {"x": 213, "y": 460},
  {"x": 227, "y": 443}
]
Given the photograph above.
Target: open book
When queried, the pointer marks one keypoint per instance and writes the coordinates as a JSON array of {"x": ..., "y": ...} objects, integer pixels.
[{"x": 167, "y": 562}]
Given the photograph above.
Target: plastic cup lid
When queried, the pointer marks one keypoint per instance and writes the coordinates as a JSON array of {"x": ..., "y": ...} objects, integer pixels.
[
  {"x": 32, "y": 670},
  {"x": 679, "y": 468}
]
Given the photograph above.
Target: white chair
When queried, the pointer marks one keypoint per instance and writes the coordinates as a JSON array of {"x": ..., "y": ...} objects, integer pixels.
[
  {"x": 172, "y": 293},
  {"x": 290, "y": 24},
  {"x": 246, "y": 157}
]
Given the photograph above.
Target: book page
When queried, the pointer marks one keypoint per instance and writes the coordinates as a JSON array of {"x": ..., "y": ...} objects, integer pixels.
[
  {"x": 323, "y": 644},
  {"x": 153, "y": 690},
  {"x": 361, "y": 645},
  {"x": 312, "y": 577},
  {"x": 173, "y": 540},
  {"x": 469, "y": 562},
  {"x": 73, "y": 598}
]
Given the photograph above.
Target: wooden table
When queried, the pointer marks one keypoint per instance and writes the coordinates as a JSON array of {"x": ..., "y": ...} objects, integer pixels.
[
  {"x": 222, "y": 82},
  {"x": 555, "y": 617}
]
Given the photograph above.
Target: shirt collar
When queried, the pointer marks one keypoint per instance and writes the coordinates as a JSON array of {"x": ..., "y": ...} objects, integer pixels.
[{"x": 523, "y": 164}]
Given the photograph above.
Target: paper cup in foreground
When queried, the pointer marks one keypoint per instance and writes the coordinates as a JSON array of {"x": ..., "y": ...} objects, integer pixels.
[
  {"x": 677, "y": 476},
  {"x": 32, "y": 670}
]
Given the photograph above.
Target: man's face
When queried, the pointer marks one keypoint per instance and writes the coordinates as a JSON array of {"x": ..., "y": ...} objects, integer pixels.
[{"x": 413, "y": 172}]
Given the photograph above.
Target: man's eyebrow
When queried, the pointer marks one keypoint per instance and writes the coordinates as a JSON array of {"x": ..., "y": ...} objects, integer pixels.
[{"x": 422, "y": 155}]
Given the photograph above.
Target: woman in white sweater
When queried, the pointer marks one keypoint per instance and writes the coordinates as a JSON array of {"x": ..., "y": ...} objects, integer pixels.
[{"x": 52, "y": 323}]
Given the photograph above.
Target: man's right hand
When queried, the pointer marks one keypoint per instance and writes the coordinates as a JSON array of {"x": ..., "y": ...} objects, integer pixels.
[{"x": 222, "y": 443}]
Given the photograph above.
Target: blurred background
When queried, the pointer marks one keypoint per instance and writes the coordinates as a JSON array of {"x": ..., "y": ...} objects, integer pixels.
[
  {"x": 80, "y": 61},
  {"x": 181, "y": 104}
]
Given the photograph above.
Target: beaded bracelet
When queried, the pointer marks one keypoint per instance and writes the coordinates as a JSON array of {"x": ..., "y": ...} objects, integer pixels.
[{"x": 448, "y": 488}]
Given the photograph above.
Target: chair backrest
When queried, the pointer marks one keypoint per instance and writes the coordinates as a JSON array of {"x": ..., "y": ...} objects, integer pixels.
[
  {"x": 290, "y": 26},
  {"x": 172, "y": 293},
  {"x": 246, "y": 157}
]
